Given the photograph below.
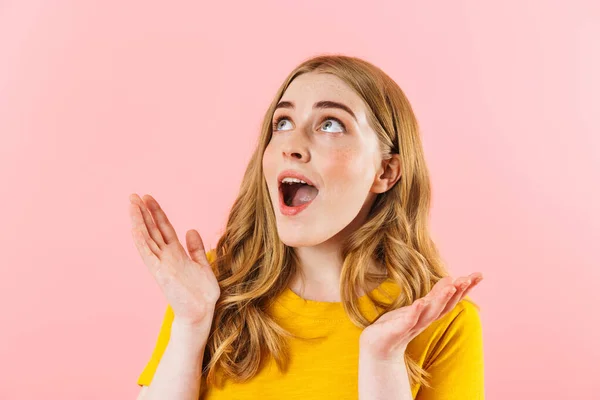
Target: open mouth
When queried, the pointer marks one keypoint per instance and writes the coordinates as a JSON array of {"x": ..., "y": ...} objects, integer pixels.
[{"x": 297, "y": 194}]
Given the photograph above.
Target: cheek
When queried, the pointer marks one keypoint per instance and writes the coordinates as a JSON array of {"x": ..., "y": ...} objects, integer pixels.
[
  {"x": 268, "y": 161},
  {"x": 344, "y": 164},
  {"x": 344, "y": 155},
  {"x": 346, "y": 175},
  {"x": 269, "y": 166}
]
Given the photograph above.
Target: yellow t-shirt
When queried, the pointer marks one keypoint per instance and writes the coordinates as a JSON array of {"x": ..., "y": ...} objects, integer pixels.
[{"x": 451, "y": 349}]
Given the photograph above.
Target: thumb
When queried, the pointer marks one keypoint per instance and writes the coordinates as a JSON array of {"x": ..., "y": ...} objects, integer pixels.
[{"x": 195, "y": 247}]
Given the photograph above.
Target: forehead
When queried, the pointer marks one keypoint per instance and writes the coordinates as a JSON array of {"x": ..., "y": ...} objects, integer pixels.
[{"x": 310, "y": 87}]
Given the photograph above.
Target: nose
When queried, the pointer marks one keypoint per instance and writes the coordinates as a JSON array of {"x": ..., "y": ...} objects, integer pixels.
[
  {"x": 295, "y": 147},
  {"x": 295, "y": 154}
]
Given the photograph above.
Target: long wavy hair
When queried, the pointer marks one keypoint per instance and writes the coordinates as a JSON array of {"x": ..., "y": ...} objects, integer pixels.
[{"x": 253, "y": 266}]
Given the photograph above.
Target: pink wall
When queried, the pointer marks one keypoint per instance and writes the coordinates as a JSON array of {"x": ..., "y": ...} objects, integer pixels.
[{"x": 102, "y": 99}]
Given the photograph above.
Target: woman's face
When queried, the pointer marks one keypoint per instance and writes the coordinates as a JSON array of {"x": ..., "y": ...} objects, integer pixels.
[{"x": 336, "y": 151}]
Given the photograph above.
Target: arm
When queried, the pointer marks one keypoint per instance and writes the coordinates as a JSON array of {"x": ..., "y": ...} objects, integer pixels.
[
  {"x": 178, "y": 373},
  {"x": 382, "y": 371},
  {"x": 191, "y": 290},
  {"x": 142, "y": 393},
  {"x": 455, "y": 364},
  {"x": 383, "y": 379}
]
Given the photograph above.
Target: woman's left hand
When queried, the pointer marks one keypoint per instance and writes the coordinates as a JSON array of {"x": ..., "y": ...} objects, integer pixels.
[{"x": 386, "y": 339}]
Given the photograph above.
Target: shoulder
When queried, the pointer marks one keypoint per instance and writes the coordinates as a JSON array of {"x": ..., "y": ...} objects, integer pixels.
[
  {"x": 458, "y": 331},
  {"x": 465, "y": 316},
  {"x": 463, "y": 319},
  {"x": 451, "y": 351}
]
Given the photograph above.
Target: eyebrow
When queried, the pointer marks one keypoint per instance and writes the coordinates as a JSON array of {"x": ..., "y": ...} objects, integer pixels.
[{"x": 319, "y": 105}]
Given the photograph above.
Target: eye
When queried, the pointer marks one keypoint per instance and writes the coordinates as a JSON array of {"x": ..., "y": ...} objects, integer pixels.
[
  {"x": 337, "y": 121},
  {"x": 326, "y": 120},
  {"x": 277, "y": 121}
]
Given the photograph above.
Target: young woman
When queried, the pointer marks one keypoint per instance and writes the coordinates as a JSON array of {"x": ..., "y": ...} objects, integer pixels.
[{"x": 326, "y": 282}]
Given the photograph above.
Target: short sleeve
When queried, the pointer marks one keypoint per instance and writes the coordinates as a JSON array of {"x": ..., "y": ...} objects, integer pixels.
[
  {"x": 161, "y": 343},
  {"x": 456, "y": 367}
]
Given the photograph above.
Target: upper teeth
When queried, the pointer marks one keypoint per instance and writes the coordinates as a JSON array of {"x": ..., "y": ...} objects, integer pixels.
[{"x": 292, "y": 180}]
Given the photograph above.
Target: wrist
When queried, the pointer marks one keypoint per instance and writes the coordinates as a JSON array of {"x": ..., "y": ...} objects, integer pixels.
[
  {"x": 383, "y": 378},
  {"x": 373, "y": 355},
  {"x": 189, "y": 335}
]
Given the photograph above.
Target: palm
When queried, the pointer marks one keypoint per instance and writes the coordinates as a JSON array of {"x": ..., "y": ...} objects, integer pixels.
[
  {"x": 392, "y": 331},
  {"x": 190, "y": 287},
  {"x": 187, "y": 281}
]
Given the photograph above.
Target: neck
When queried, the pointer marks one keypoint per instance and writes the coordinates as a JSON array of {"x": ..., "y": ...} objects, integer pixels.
[
  {"x": 319, "y": 273},
  {"x": 320, "y": 266}
]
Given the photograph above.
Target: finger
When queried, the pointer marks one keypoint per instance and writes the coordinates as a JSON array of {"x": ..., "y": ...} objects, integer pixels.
[
  {"x": 438, "y": 289},
  {"x": 402, "y": 323},
  {"x": 151, "y": 227},
  {"x": 473, "y": 284},
  {"x": 400, "y": 313},
  {"x": 440, "y": 285},
  {"x": 465, "y": 285},
  {"x": 167, "y": 230},
  {"x": 142, "y": 246},
  {"x": 437, "y": 301},
  {"x": 144, "y": 243},
  {"x": 461, "y": 284},
  {"x": 414, "y": 323},
  {"x": 432, "y": 298},
  {"x": 195, "y": 247},
  {"x": 476, "y": 277}
]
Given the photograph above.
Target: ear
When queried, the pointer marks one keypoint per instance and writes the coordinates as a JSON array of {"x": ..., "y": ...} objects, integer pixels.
[{"x": 387, "y": 175}]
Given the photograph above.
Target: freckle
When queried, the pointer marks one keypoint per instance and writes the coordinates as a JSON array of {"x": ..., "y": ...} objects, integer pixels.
[{"x": 343, "y": 155}]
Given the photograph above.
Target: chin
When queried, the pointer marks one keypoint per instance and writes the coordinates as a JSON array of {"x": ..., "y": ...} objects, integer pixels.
[
  {"x": 298, "y": 236},
  {"x": 294, "y": 236},
  {"x": 299, "y": 240}
]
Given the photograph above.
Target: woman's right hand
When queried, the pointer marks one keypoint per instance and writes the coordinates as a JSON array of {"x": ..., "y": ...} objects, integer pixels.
[{"x": 188, "y": 282}]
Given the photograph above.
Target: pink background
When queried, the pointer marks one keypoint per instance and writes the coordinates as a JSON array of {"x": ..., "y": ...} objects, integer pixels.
[{"x": 102, "y": 99}]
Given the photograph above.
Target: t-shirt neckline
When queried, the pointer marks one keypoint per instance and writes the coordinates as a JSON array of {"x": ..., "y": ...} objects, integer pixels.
[{"x": 291, "y": 301}]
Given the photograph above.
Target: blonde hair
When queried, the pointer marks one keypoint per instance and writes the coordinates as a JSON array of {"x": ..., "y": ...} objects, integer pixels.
[{"x": 253, "y": 266}]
